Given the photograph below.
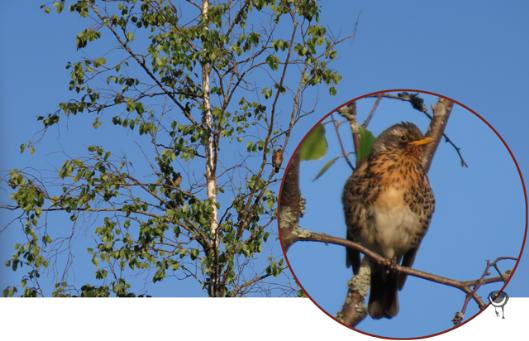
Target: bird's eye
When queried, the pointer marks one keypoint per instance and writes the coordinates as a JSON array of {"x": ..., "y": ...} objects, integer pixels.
[{"x": 404, "y": 138}]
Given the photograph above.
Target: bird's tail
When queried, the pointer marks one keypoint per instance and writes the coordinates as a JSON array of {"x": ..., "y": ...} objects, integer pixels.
[{"x": 383, "y": 298}]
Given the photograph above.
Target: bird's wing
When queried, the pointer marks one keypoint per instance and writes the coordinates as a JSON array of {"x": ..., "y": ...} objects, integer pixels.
[
  {"x": 407, "y": 260},
  {"x": 425, "y": 209},
  {"x": 356, "y": 195}
]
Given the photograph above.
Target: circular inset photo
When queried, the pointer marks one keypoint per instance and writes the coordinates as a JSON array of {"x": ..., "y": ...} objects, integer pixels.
[{"x": 400, "y": 211}]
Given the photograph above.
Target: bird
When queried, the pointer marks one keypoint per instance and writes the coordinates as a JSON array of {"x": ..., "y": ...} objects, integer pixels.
[
  {"x": 177, "y": 179},
  {"x": 277, "y": 160},
  {"x": 388, "y": 205}
]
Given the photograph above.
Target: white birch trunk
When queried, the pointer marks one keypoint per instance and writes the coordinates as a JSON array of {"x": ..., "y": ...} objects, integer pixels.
[
  {"x": 214, "y": 290},
  {"x": 210, "y": 176}
]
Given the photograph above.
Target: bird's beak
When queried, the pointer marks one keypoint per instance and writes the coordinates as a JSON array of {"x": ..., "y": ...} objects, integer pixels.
[{"x": 425, "y": 140}]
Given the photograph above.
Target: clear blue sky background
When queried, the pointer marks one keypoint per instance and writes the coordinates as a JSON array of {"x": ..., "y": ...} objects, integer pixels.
[{"x": 474, "y": 52}]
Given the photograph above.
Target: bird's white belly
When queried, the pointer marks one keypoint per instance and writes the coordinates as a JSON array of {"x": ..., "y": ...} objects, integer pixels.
[{"x": 394, "y": 225}]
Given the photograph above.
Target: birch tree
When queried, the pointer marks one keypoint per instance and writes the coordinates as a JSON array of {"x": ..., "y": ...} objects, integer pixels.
[{"x": 209, "y": 91}]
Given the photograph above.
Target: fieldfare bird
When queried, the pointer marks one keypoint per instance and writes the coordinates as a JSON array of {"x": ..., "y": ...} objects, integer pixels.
[
  {"x": 177, "y": 179},
  {"x": 277, "y": 160},
  {"x": 388, "y": 204}
]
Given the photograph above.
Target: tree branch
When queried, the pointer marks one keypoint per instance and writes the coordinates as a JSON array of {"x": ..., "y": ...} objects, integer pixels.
[
  {"x": 305, "y": 235},
  {"x": 441, "y": 113}
]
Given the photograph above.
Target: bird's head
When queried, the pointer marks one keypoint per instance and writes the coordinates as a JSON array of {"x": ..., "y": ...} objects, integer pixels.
[{"x": 405, "y": 138}]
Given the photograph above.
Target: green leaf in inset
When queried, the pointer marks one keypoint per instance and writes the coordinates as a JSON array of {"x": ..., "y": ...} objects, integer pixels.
[
  {"x": 325, "y": 167},
  {"x": 314, "y": 146},
  {"x": 366, "y": 142}
]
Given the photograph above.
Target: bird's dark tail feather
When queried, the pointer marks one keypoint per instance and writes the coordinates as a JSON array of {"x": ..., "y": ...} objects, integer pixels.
[{"x": 383, "y": 298}]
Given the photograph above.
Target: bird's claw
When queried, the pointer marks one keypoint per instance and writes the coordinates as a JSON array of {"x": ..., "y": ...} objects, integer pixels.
[{"x": 390, "y": 264}]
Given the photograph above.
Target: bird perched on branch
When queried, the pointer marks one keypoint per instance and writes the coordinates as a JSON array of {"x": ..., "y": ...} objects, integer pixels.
[
  {"x": 177, "y": 179},
  {"x": 388, "y": 204},
  {"x": 277, "y": 160}
]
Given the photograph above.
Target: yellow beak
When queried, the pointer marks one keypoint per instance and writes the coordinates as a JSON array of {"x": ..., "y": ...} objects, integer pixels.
[{"x": 425, "y": 140}]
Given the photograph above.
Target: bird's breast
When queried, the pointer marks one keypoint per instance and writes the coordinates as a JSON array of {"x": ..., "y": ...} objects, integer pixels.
[{"x": 393, "y": 224}]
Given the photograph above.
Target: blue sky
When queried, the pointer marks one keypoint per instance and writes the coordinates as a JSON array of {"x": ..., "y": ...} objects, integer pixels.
[{"x": 474, "y": 52}]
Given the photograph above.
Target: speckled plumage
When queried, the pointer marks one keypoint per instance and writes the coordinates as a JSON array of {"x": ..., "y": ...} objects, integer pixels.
[
  {"x": 388, "y": 205},
  {"x": 277, "y": 160}
]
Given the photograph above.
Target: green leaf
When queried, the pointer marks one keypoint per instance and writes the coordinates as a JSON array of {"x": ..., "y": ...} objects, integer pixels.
[
  {"x": 38, "y": 261},
  {"x": 325, "y": 167},
  {"x": 32, "y": 150},
  {"x": 314, "y": 146},
  {"x": 59, "y": 6},
  {"x": 273, "y": 62},
  {"x": 130, "y": 36},
  {"x": 366, "y": 142}
]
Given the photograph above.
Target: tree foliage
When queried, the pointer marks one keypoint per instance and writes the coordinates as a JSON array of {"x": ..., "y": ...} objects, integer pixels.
[{"x": 205, "y": 88}]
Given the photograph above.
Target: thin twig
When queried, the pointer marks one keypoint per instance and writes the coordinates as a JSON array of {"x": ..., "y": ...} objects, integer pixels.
[
  {"x": 349, "y": 113},
  {"x": 336, "y": 124},
  {"x": 373, "y": 110},
  {"x": 478, "y": 283}
]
